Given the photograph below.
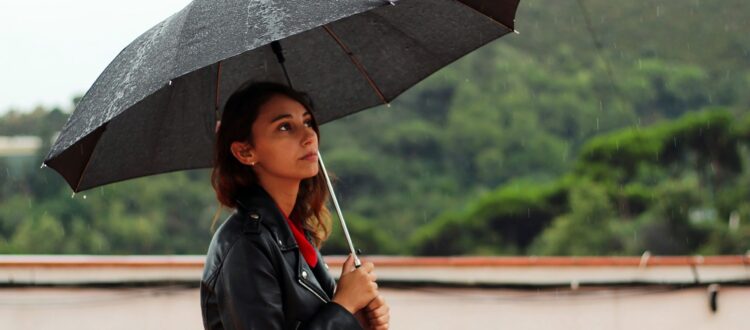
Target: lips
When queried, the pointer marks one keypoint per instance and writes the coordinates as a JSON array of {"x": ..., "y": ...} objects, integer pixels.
[{"x": 310, "y": 155}]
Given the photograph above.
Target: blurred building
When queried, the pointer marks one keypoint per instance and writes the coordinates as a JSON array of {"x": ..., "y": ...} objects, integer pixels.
[{"x": 18, "y": 152}]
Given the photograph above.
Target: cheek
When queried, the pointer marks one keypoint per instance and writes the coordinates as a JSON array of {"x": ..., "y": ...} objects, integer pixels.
[{"x": 279, "y": 153}]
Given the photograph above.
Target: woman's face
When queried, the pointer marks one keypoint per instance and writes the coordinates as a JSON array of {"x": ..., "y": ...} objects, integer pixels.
[{"x": 283, "y": 137}]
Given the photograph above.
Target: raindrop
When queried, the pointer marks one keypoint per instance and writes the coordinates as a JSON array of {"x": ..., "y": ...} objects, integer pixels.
[
  {"x": 388, "y": 105},
  {"x": 43, "y": 165},
  {"x": 597, "y": 123},
  {"x": 73, "y": 195},
  {"x": 658, "y": 11},
  {"x": 170, "y": 83},
  {"x": 84, "y": 196}
]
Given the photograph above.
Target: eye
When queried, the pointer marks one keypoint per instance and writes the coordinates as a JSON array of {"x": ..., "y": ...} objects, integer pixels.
[
  {"x": 284, "y": 127},
  {"x": 309, "y": 123}
]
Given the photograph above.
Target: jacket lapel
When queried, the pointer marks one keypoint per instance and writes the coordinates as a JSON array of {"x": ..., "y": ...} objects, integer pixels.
[{"x": 255, "y": 200}]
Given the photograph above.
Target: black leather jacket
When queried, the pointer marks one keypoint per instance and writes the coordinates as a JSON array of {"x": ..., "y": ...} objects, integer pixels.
[{"x": 256, "y": 278}]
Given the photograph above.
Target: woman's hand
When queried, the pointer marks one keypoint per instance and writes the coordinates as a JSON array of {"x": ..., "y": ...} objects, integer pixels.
[
  {"x": 378, "y": 314},
  {"x": 356, "y": 287}
]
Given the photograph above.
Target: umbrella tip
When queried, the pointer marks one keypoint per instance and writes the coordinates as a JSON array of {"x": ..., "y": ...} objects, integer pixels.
[
  {"x": 43, "y": 165},
  {"x": 516, "y": 31}
]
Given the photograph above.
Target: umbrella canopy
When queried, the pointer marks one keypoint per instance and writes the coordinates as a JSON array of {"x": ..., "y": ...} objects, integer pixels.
[{"x": 155, "y": 107}]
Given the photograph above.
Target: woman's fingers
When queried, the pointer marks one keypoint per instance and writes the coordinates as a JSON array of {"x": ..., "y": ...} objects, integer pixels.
[
  {"x": 379, "y": 316},
  {"x": 377, "y": 309},
  {"x": 348, "y": 265},
  {"x": 379, "y": 327},
  {"x": 367, "y": 267},
  {"x": 376, "y": 303}
]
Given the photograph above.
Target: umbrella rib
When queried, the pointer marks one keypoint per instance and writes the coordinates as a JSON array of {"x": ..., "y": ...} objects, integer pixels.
[
  {"x": 91, "y": 155},
  {"x": 356, "y": 62},
  {"x": 216, "y": 100},
  {"x": 488, "y": 16}
]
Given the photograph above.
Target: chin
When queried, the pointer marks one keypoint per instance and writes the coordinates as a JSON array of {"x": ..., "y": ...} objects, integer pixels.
[
  {"x": 312, "y": 174},
  {"x": 304, "y": 174}
]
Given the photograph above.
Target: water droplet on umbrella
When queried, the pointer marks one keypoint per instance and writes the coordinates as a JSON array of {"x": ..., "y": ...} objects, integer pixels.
[
  {"x": 84, "y": 196},
  {"x": 170, "y": 83},
  {"x": 73, "y": 195},
  {"x": 43, "y": 165}
]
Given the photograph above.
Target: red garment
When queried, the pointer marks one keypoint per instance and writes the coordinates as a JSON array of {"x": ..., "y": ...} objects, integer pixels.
[{"x": 305, "y": 247}]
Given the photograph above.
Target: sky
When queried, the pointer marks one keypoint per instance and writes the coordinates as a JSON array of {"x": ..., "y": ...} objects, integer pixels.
[{"x": 52, "y": 51}]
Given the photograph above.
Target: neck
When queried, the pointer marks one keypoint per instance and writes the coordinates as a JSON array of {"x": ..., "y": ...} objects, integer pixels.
[{"x": 283, "y": 191}]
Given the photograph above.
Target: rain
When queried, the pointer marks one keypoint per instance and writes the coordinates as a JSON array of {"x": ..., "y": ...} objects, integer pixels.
[{"x": 585, "y": 160}]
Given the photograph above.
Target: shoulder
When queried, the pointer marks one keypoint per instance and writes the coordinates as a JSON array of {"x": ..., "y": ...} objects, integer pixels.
[{"x": 240, "y": 231}]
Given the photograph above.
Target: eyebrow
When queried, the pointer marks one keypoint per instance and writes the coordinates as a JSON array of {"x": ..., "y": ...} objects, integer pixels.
[{"x": 286, "y": 115}]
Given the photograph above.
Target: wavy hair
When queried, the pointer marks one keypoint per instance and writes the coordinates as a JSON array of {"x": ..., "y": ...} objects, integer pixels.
[{"x": 229, "y": 176}]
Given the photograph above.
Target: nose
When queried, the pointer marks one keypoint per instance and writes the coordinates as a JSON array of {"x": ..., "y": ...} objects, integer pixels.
[{"x": 309, "y": 137}]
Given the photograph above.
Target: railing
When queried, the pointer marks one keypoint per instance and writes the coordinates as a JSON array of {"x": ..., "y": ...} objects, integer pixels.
[{"x": 53, "y": 270}]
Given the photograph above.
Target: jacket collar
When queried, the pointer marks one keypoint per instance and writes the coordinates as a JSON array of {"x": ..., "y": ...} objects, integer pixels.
[
  {"x": 257, "y": 204},
  {"x": 255, "y": 201}
]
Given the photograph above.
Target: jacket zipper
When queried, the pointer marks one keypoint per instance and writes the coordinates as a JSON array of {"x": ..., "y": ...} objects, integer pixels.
[{"x": 311, "y": 290}]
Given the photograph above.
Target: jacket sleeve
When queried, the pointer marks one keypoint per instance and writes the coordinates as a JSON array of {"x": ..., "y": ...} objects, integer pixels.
[
  {"x": 332, "y": 316},
  {"x": 247, "y": 290},
  {"x": 249, "y": 294}
]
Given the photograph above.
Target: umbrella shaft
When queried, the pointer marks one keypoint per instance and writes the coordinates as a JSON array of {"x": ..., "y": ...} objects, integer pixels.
[{"x": 357, "y": 263}]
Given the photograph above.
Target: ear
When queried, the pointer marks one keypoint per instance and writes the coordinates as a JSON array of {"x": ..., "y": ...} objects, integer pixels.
[{"x": 244, "y": 153}]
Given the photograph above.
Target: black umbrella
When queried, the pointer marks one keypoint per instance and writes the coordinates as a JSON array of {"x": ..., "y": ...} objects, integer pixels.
[{"x": 154, "y": 108}]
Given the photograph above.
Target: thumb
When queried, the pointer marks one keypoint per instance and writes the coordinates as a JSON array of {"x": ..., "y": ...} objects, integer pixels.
[{"x": 348, "y": 265}]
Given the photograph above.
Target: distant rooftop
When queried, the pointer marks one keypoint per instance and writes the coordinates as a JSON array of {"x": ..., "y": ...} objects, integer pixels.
[{"x": 22, "y": 145}]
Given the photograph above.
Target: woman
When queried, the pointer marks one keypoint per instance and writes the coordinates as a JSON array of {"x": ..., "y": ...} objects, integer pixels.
[{"x": 263, "y": 269}]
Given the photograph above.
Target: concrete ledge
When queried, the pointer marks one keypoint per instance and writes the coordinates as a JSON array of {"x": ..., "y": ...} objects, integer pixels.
[{"x": 40, "y": 270}]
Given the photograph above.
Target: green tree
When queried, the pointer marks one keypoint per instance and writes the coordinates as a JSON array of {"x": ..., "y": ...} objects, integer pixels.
[{"x": 586, "y": 230}]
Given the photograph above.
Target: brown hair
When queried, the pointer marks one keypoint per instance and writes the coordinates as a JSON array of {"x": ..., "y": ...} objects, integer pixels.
[{"x": 229, "y": 176}]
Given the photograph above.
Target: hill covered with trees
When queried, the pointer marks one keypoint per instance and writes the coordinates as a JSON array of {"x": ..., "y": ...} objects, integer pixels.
[{"x": 601, "y": 128}]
